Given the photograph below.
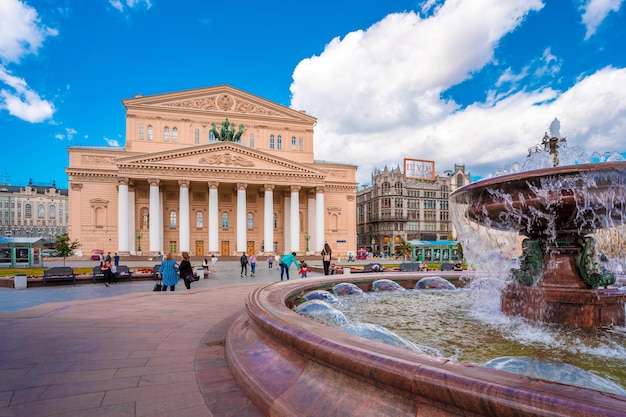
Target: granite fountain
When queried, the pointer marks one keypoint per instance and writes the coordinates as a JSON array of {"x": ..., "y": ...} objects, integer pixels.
[{"x": 290, "y": 365}]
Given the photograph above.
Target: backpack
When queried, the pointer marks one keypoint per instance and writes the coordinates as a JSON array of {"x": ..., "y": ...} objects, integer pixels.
[{"x": 244, "y": 260}]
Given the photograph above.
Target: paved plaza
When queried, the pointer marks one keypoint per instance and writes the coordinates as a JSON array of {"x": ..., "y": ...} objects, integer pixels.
[{"x": 124, "y": 350}]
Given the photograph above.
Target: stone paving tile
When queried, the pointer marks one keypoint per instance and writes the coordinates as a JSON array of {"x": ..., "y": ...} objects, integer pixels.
[
  {"x": 56, "y": 406},
  {"x": 76, "y": 388}
]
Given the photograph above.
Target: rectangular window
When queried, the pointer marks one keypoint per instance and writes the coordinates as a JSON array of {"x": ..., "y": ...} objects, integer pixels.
[
  {"x": 279, "y": 142},
  {"x": 173, "y": 246},
  {"x": 272, "y": 142},
  {"x": 224, "y": 220},
  {"x": 196, "y": 136},
  {"x": 141, "y": 132},
  {"x": 301, "y": 143}
]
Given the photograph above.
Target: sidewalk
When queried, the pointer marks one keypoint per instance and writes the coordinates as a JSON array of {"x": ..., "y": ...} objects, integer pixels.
[{"x": 136, "y": 353}]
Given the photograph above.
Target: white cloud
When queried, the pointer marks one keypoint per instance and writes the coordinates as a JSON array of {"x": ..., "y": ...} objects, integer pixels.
[
  {"x": 131, "y": 4},
  {"x": 377, "y": 94},
  {"x": 68, "y": 135},
  {"x": 21, "y": 33},
  {"x": 595, "y": 11},
  {"x": 112, "y": 142}
]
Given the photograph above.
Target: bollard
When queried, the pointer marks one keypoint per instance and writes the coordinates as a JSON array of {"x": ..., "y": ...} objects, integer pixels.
[{"x": 19, "y": 281}]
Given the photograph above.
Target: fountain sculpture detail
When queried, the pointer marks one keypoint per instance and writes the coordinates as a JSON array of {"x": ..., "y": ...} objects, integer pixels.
[{"x": 557, "y": 209}]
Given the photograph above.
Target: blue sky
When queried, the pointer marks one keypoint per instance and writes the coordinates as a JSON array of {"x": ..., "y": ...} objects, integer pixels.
[{"x": 474, "y": 82}]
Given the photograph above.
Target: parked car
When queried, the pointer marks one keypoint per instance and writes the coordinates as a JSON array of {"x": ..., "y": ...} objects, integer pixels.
[{"x": 49, "y": 253}]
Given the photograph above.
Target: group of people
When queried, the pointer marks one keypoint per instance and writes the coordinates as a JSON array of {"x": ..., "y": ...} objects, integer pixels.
[{"x": 109, "y": 269}]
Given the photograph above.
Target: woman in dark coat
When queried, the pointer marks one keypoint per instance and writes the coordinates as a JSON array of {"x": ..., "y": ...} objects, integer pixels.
[
  {"x": 327, "y": 255},
  {"x": 186, "y": 271}
]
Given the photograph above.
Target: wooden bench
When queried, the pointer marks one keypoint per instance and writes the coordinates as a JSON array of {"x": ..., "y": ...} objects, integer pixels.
[
  {"x": 447, "y": 267},
  {"x": 59, "y": 273}
]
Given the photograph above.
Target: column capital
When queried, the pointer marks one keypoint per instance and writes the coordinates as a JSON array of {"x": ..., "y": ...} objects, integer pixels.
[
  {"x": 184, "y": 183},
  {"x": 269, "y": 187},
  {"x": 213, "y": 185},
  {"x": 76, "y": 187},
  {"x": 123, "y": 181},
  {"x": 242, "y": 186},
  {"x": 154, "y": 181},
  {"x": 311, "y": 193},
  {"x": 320, "y": 190},
  {"x": 295, "y": 188}
]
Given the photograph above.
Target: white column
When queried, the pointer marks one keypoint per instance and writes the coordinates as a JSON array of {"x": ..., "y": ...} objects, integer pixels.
[
  {"x": 213, "y": 217},
  {"x": 241, "y": 217},
  {"x": 319, "y": 219},
  {"x": 155, "y": 220},
  {"x": 268, "y": 219},
  {"x": 131, "y": 220},
  {"x": 122, "y": 215},
  {"x": 287, "y": 222},
  {"x": 162, "y": 223},
  {"x": 183, "y": 208},
  {"x": 295, "y": 218},
  {"x": 310, "y": 227}
]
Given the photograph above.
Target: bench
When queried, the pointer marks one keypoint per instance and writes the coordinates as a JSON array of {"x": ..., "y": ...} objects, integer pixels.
[
  {"x": 123, "y": 272},
  {"x": 373, "y": 267},
  {"x": 97, "y": 273},
  {"x": 447, "y": 267},
  {"x": 409, "y": 267},
  {"x": 59, "y": 273}
]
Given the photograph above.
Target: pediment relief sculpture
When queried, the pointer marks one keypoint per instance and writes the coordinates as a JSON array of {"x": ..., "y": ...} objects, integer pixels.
[
  {"x": 226, "y": 159},
  {"x": 225, "y": 103}
]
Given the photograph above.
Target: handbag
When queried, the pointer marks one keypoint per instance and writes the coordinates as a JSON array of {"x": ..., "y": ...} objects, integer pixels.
[{"x": 327, "y": 258}]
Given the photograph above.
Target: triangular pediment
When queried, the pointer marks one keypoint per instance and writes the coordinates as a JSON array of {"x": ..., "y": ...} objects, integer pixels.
[
  {"x": 219, "y": 155},
  {"x": 224, "y": 100}
]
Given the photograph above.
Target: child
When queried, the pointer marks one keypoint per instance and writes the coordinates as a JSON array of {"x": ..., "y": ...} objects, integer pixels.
[
  {"x": 333, "y": 269},
  {"x": 304, "y": 270}
]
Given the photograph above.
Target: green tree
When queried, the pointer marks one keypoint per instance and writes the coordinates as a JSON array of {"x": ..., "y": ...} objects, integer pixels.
[
  {"x": 64, "y": 247},
  {"x": 404, "y": 249}
]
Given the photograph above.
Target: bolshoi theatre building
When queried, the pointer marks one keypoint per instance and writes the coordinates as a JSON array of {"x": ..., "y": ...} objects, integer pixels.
[{"x": 211, "y": 171}]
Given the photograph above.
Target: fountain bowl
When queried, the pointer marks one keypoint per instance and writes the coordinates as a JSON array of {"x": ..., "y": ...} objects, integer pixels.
[{"x": 289, "y": 365}]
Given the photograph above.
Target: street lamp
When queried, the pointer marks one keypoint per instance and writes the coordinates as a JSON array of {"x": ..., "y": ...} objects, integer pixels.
[
  {"x": 306, "y": 238},
  {"x": 139, "y": 242}
]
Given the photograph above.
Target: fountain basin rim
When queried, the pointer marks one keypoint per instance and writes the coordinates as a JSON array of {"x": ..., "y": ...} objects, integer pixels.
[
  {"x": 419, "y": 376},
  {"x": 537, "y": 173}
]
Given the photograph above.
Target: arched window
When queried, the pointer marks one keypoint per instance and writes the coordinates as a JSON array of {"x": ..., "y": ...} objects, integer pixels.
[
  {"x": 250, "y": 221},
  {"x": 28, "y": 211},
  {"x": 459, "y": 180},
  {"x": 211, "y": 136},
  {"x": 41, "y": 211},
  {"x": 225, "y": 220},
  {"x": 279, "y": 142},
  {"x": 150, "y": 132},
  {"x": 166, "y": 134},
  {"x": 199, "y": 220},
  {"x": 175, "y": 134},
  {"x": 272, "y": 142},
  {"x": 252, "y": 140},
  {"x": 196, "y": 136},
  {"x": 173, "y": 218},
  {"x": 293, "y": 143},
  {"x": 52, "y": 212}
]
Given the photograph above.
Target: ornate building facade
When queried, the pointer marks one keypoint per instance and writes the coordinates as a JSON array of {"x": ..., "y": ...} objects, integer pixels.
[
  {"x": 33, "y": 211},
  {"x": 175, "y": 186},
  {"x": 395, "y": 208}
]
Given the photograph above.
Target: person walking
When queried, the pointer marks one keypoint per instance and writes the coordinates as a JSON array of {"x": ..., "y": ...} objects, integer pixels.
[
  {"x": 270, "y": 261},
  {"x": 108, "y": 258},
  {"x": 213, "y": 262},
  {"x": 285, "y": 262},
  {"x": 252, "y": 265},
  {"x": 106, "y": 269},
  {"x": 169, "y": 272},
  {"x": 327, "y": 255},
  {"x": 244, "y": 264},
  {"x": 205, "y": 265},
  {"x": 186, "y": 271}
]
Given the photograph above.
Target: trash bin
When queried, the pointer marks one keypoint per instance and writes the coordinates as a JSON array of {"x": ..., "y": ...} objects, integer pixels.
[
  {"x": 346, "y": 269},
  {"x": 20, "y": 281}
]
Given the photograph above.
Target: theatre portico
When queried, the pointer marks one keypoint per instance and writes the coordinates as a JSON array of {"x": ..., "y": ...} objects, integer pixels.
[{"x": 176, "y": 187}]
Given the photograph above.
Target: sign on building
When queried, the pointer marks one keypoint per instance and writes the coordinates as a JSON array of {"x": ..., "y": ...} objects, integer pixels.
[{"x": 419, "y": 169}]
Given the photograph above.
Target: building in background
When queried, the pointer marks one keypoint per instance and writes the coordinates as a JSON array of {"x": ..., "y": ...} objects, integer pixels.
[
  {"x": 407, "y": 205},
  {"x": 33, "y": 211},
  {"x": 178, "y": 186}
]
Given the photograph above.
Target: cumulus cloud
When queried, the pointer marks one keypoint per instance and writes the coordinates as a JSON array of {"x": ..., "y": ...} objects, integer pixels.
[
  {"x": 379, "y": 93},
  {"x": 112, "y": 142},
  {"x": 68, "y": 135},
  {"x": 595, "y": 11},
  {"x": 21, "y": 34}
]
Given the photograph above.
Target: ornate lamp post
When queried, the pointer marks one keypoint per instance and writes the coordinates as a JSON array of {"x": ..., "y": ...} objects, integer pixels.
[
  {"x": 306, "y": 238},
  {"x": 139, "y": 243}
]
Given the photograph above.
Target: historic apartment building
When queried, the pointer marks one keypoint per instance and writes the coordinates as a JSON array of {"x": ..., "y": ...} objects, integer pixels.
[
  {"x": 177, "y": 185},
  {"x": 33, "y": 211},
  {"x": 398, "y": 207}
]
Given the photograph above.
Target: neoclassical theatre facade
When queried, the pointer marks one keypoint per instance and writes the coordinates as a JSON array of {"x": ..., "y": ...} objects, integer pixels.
[{"x": 175, "y": 186}]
